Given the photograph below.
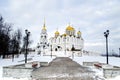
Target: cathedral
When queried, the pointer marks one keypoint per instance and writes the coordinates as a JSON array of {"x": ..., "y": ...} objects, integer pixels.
[
  {"x": 62, "y": 42},
  {"x": 67, "y": 40}
]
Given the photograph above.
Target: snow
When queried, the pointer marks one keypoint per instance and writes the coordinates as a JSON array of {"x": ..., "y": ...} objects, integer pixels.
[
  {"x": 115, "y": 61},
  {"x": 116, "y": 78},
  {"x": 34, "y": 57},
  {"x": 20, "y": 60},
  {"x": 112, "y": 61}
]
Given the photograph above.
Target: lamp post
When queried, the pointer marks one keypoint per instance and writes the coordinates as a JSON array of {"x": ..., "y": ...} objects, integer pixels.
[
  {"x": 26, "y": 39},
  {"x": 119, "y": 52},
  {"x": 106, "y": 36},
  {"x": 51, "y": 50},
  {"x": 73, "y": 49}
]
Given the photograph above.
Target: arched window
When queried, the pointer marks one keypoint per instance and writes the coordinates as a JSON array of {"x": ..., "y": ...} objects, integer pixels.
[
  {"x": 45, "y": 36},
  {"x": 59, "y": 40},
  {"x": 55, "y": 40},
  {"x": 67, "y": 38},
  {"x": 55, "y": 49}
]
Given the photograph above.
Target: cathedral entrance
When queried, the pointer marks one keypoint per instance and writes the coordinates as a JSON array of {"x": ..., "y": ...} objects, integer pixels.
[{"x": 56, "y": 49}]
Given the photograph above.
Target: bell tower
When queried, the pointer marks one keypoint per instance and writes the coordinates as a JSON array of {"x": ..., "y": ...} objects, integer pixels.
[{"x": 43, "y": 37}]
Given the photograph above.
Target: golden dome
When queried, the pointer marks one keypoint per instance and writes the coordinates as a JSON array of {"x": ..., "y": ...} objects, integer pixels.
[
  {"x": 64, "y": 34},
  {"x": 70, "y": 28},
  {"x": 44, "y": 28},
  {"x": 57, "y": 33},
  {"x": 78, "y": 32}
]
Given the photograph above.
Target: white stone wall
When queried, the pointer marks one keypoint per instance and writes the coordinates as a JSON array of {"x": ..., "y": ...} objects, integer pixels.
[
  {"x": 111, "y": 72},
  {"x": 17, "y": 72}
]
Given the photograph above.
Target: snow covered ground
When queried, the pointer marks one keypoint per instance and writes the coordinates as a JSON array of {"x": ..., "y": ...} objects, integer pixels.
[
  {"x": 20, "y": 60},
  {"x": 112, "y": 61}
]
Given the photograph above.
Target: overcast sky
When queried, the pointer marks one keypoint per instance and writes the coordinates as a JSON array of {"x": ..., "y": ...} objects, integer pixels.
[{"x": 91, "y": 17}]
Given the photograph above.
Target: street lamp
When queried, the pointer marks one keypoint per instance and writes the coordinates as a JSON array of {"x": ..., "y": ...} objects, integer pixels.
[
  {"x": 106, "y": 36},
  {"x": 119, "y": 52},
  {"x": 51, "y": 50},
  {"x": 73, "y": 49},
  {"x": 27, "y": 37}
]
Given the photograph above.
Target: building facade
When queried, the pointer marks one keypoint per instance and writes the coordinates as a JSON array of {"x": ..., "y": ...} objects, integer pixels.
[{"x": 65, "y": 42}]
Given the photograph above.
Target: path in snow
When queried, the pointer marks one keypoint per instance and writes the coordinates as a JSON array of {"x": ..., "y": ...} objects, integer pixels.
[{"x": 62, "y": 68}]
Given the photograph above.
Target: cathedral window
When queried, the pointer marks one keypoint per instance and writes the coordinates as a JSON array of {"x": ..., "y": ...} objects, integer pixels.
[
  {"x": 45, "y": 36},
  {"x": 55, "y": 40},
  {"x": 63, "y": 40},
  {"x": 59, "y": 40},
  {"x": 68, "y": 32},
  {"x": 68, "y": 39},
  {"x": 51, "y": 41}
]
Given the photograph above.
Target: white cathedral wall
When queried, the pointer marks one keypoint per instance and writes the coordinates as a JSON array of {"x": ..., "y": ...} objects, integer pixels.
[
  {"x": 79, "y": 43},
  {"x": 67, "y": 43}
]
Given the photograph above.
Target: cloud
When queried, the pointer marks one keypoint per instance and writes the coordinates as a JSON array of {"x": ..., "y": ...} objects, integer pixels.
[{"x": 93, "y": 17}]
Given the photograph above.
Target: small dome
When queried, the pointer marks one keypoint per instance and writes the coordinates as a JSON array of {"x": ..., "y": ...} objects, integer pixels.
[
  {"x": 78, "y": 32},
  {"x": 70, "y": 28},
  {"x": 44, "y": 28},
  {"x": 57, "y": 33},
  {"x": 64, "y": 34}
]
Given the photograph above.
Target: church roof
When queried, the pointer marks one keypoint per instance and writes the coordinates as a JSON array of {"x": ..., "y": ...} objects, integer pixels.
[
  {"x": 70, "y": 28},
  {"x": 64, "y": 34},
  {"x": 44, "y": 28},
  {"x": 78, "y": 32},
  {"x": 57, "y": 32}
]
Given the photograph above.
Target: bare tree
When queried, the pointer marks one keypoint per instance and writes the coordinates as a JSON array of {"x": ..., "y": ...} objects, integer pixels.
[
  {"x": 4, "y": 37},
  {"x": 15, "y": 42},
  {"x": 9, "y": 44}
]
